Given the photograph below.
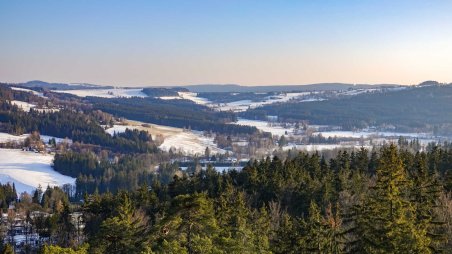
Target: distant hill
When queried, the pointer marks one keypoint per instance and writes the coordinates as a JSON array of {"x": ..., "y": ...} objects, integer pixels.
[
  {"x": 213, "y": 88},
  {"x": 228, "y": 88},
  {"x": 426, "y": 107},
  {"x": 59, "y": 86}
]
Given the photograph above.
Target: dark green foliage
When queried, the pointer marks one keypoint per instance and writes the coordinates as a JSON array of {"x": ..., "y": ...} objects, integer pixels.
[
  {"x": 124, "y": 232},
  {"x": 177, "y": 113},
  {"x": 127, "y": 172},
  {"x": 7, "y": 195},
  {"x": 230, "y": 97},
  {"x": 160, "y": 92},
  {"x": 76, "y": 126},
  {"x": 300, "y": 205}
]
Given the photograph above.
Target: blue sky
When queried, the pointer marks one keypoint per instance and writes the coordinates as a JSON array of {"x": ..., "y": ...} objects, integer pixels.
[{"x": 245, "y": 42}]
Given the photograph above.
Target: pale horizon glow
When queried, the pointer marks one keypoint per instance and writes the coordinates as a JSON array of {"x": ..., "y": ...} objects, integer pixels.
[{"x": 251, "y": 42}]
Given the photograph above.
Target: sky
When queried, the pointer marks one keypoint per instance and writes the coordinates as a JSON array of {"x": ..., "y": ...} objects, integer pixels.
[{"x": 261, "y": 42}]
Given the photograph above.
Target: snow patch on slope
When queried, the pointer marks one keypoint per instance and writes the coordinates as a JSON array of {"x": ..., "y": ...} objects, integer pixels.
[
  {"x": 106, "y": 93},
  {"x": 25, "y": 106},
  {"x": 186, "y": 141},
  {"x": 28, "y": 170},
  {"x": 6, "y": 137}
]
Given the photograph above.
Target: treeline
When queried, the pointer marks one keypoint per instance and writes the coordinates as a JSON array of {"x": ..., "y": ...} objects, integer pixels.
[
  {"x": 218, "y": 97},
  {"x": 160, "y": 92},
  {"x": 176, "y": 113},
  {"x": 320, "y": 139},
  {"x": 111, "y": 173},
  {"x": 94, "y": 175},
  {"x": 390, "y": 201},
  {"x": 8, "y": 195},
  {"x": 409, "y": 109},
  {"x": 77, "y": 126}
]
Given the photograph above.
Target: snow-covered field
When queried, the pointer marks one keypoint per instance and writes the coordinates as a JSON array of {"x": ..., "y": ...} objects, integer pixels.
[
  {"x": 170, "y": 98},
  {"x": 187, "y": 96},
  {"x": 265, "y": 126},
  {"x": 5, "y": 137},
  {"x": 322, "y": 147},
  {"x": 118, "y": 129},
  {"x": 219, "y": 169},
  {"x": 422, "y": 141},
  {"x": 47, "y": 110},
  {"x": 194, "y": 97},
  {"x": 191, "y": 142},
  {"x": 25, "y": 106},
  {"x": 29, "y": 91},
  {"x": 28, "y": 170},
  {"x": 186, "y": 141},
  {"x": 353, "y": 92},
  {"x": 365, "y": 134},
  {"x": 237, "y": 106},
  {"x": 243, "y": 105},
  {"x": 106, "y": 93}
]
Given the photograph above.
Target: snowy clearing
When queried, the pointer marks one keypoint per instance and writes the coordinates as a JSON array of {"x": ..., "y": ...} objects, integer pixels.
[
  {"x": 192, "y": 142},
  {"x": 170, "y": 98},
  {"x": 28, "y": 170},
  {"x": 187, "y": 96},
  {"x": 354, "y": 92},
  {"x": 238, "y": 106},
  {"x": 28, "y": 91},
  {"x": 194, "y": 97},
  {"x": 265, "y": 126},
  {"x": 185, "y": 141},
  {"x": 25, "y": 106},
  {"x": 219, "y": 169},
  {"x": 106, "y": 93},
  {"x": 243, "y": 105},
  {"x": 46, "y": 139},
  {"x": 366, "y": 134},
  {"x": 6, "y": 137},
  {"x": 322, "y": 147}
]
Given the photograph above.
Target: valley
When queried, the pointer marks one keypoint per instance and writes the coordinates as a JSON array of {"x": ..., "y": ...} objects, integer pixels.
[{"x": 268, "y": 135}]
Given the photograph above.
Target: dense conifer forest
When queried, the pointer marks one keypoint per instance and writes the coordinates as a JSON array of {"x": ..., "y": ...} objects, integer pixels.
[
  {"x": 177, "y": 113},
  {"x": 389, "y": 201}
]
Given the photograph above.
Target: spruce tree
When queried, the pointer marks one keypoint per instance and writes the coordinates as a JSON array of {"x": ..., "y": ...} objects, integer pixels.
[
  {"x": 388, "y": 221},
  {"x": 424, "y": 194}
]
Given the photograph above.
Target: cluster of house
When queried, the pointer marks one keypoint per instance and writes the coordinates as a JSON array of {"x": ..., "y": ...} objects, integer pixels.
[{"x": 20, "y": 229}]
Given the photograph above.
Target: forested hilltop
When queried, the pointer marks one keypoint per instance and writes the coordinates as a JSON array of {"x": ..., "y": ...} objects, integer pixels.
[
  {"x": 424, "y": 107},
  {"x": 177, "y": 113},
  {"x": 386, "y": 201}
]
